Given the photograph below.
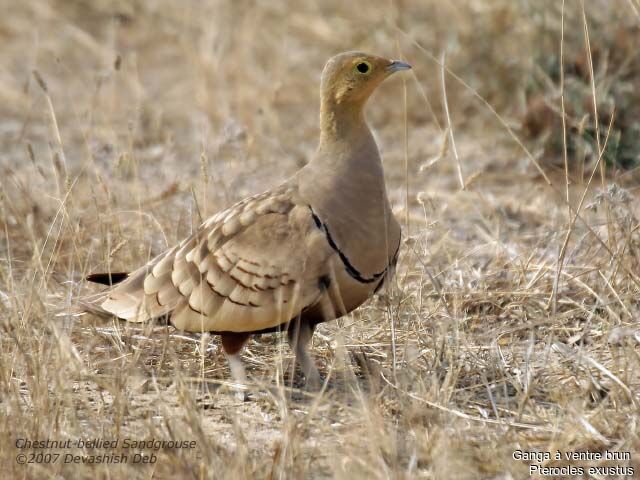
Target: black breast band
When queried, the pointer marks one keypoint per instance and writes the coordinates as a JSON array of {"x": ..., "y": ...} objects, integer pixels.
[{"x": 351, "y": 270}]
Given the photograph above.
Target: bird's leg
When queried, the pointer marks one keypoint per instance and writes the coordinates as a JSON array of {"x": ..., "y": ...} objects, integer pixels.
[
  {"x": 232, "y": 344},
  {"x": 299, "y": 335}
]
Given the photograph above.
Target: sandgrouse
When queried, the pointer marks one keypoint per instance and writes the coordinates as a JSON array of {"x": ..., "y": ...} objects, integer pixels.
[{"x": 310, "y": 250}]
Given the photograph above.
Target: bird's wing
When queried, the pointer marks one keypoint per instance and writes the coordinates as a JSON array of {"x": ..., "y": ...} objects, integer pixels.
[{"x": 253, "y": 266}]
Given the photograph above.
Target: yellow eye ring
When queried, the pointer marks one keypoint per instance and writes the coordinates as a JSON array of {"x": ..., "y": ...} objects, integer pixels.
[{"x": 363, "y": 67}]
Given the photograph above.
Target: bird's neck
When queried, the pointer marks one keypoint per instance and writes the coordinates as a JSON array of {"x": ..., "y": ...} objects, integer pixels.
[
  {"x": 341, "y": 122},
  {"x": 346, "y": 167},
  {"x": 344, "y": 183}
]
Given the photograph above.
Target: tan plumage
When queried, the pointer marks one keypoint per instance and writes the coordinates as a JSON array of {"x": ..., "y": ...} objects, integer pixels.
[{"x": 310, "y": 250}]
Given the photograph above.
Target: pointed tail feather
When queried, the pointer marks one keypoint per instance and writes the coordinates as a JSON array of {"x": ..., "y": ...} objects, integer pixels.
[
  {"x": 107, "y": 278},
  {"x": 89, "y": 304}
]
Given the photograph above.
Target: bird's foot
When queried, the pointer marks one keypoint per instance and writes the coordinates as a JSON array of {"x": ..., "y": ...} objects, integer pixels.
[
  {"x": 313, "y": 382},
  {"x": 242, "y": 395}
]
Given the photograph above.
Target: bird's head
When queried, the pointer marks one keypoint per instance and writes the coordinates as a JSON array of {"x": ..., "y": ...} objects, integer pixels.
[{"x": 350, "y": 78}]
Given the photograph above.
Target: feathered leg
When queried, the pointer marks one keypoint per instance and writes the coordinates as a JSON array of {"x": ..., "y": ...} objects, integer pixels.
[
  {"x": 299, "y": 335},
  {"x": 232, "y": 344}
]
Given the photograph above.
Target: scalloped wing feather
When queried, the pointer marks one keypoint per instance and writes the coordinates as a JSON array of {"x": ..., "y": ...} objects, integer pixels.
[{"x": 253, "y": 266}]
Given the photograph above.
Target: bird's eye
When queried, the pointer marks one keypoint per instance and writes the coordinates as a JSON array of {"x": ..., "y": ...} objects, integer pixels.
[{"x": 363, "y": 67}]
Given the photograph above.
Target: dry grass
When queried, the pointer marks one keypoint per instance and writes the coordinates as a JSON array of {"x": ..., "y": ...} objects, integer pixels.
[{"x": 513, "y": 321}]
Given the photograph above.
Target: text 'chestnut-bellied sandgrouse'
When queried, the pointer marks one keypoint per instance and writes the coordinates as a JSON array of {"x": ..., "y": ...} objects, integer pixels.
[{"x": 310, "y": 250}]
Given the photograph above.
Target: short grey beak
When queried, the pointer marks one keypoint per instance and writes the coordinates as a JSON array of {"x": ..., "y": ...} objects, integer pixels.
[{"x": 397, "y": 65}]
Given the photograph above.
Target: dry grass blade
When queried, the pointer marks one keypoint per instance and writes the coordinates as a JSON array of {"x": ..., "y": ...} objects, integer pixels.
[{"x": 445, "y": 102}]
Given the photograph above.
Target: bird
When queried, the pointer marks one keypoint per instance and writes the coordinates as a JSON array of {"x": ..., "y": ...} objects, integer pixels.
[{"x": 310, "y": 250}]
